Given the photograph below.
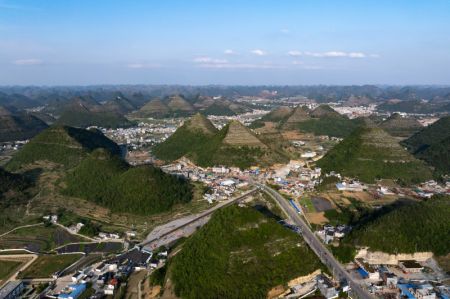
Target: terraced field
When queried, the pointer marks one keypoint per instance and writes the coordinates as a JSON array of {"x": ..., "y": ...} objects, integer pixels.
[{"x": 37, "y": 238}]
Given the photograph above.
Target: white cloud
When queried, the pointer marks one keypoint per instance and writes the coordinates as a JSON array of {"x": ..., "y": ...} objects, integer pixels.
[
  {"x": 259, "y": 52},
  {"x": 297, "y": 62},
  {"x": 240, "y": 66},
  {"x": 206, "y": 59},
  {"x": 30, "y": 61},
  {"x": 335, "y": 54},
  {"x": 284, "y": 30},
  {"x": 356, "y": 55},
  {"x": 230, "y": 52},
  {"x": 294, "y": 53},
  {"x": 143, "y": 66}
]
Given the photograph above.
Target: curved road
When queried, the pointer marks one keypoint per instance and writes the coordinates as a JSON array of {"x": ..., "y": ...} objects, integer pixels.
[{"x": 316, "y": 245}]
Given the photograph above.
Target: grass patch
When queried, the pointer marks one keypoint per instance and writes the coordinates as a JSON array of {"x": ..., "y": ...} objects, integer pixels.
[
  {"x": 7, "y": 268},
  {"x": 307, "y": 202},
  {"x": 46, "y": 265}
]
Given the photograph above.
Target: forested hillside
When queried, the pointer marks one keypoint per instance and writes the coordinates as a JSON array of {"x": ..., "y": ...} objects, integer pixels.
[
  {"x": 239, "y": 253},
  {"x": 110, "y": 182},
  {"x": 63, "y": 145},
  {"x": 407, "y": 227}
]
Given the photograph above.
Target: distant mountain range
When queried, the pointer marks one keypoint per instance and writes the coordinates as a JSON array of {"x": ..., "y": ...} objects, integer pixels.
[
  {"x": 178, "y": 105},
  {"x": 233, "y": 145}
]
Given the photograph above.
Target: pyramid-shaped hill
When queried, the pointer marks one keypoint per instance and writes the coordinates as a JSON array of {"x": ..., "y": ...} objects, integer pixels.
[
  {"x": 324, "y": 111},
  {"x": 233, "y": 145},
  {"x": 239, "y": 135},
  {"x": 300, "y": 114},
  {"x": 432, "y": 144},
  {"x": 371, "y": 153},
  {"x": 399, "y": 126},
  {"x": 195, "y": 133},
  {"x": 18, "y": 125},
  {"x": 109, "y": 181},
  {"x": 200, "y": 123},
  {"x": 178, "y": 103},
  {"x": 277, "y": 115},
  {"x": 62, "y": 145},
  {"x": 154, "y": 108},
  {"x": 119, "y": 105}
]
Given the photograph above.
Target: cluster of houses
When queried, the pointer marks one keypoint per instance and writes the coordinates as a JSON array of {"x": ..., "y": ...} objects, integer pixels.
[
  {"x": 330, "y": 233},
  {"x": 400, "y": 281},
  {"x": 221, "y": 181},
  {"x": 294, "y": 179},
  {"x": 106, "y": 277},
  {"x": 431, "y": 188},
  {"x": 12, "y": 145}
]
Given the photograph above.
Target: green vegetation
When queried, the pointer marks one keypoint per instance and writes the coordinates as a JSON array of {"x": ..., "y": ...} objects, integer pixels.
[
  {"x": 63, "y": 145},
  {"x": 8, "y": 267},
  {"x": 327, "y": 182},
  {"x": 158, "y": 276},
  {"x": 207, "y": 148},
  {"x": 344, "y": 253},
  {"x": 330, "y": 126},
  {"x": 406, "y": 227},
  {"x": 46, "y": 265},
  {"x": 432, "y": 145},
  {"x": 370, "y": 154},
  {"x": 399, "y": 126},
  {"x": 239, "y": 253},
  {"x": 218, "y": 109},
  {"x": 85, "y": 119},
  {"x": 109, "y": 181},
  {"x": 11, "y": 182},
  {"x": 18, "y": 125}
]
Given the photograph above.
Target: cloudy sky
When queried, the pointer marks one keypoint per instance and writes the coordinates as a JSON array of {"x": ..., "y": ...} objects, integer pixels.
[{"x": 224, "y": 42}]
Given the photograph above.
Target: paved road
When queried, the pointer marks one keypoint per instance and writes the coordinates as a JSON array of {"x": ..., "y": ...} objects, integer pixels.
[
  {"x": 199, "y": 216},
  {"x": 316, "y": 245}
]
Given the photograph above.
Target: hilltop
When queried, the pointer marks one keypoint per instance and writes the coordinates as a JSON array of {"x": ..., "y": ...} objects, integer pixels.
[
  {"x": 399, "y": 126},
  {"x": 199, "y": 140},
  {"x": 370, "y": 153},
  {"x": 391, "y": 229},
  {"x": 277, "y": 115},
  {"x": 200, "y": 123},
  {"x": 108, "y": 181},
  {"x": 323, "y": 120},
  {"x": 210, "y": 263},
  {"x": 298, "y": 115},
  {"x": 172, "y": 106},
  {"x": 62, "y": 145},
  {"x": 18, "y": 125},
  {"x": 85, "y": 112},
  {"x": 240, "y": 135},
  {"x": 327, "y": 121},
  {"x": 324, "y": 111},
  {"x": 432, "y": 145}
]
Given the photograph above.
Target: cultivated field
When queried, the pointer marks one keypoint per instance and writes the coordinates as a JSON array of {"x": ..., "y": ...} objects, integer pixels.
[{"x": 46, "y": 265}]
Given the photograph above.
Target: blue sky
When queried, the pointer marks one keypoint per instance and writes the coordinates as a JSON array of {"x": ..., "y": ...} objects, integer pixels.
[{"x": 224, "y": 42}]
